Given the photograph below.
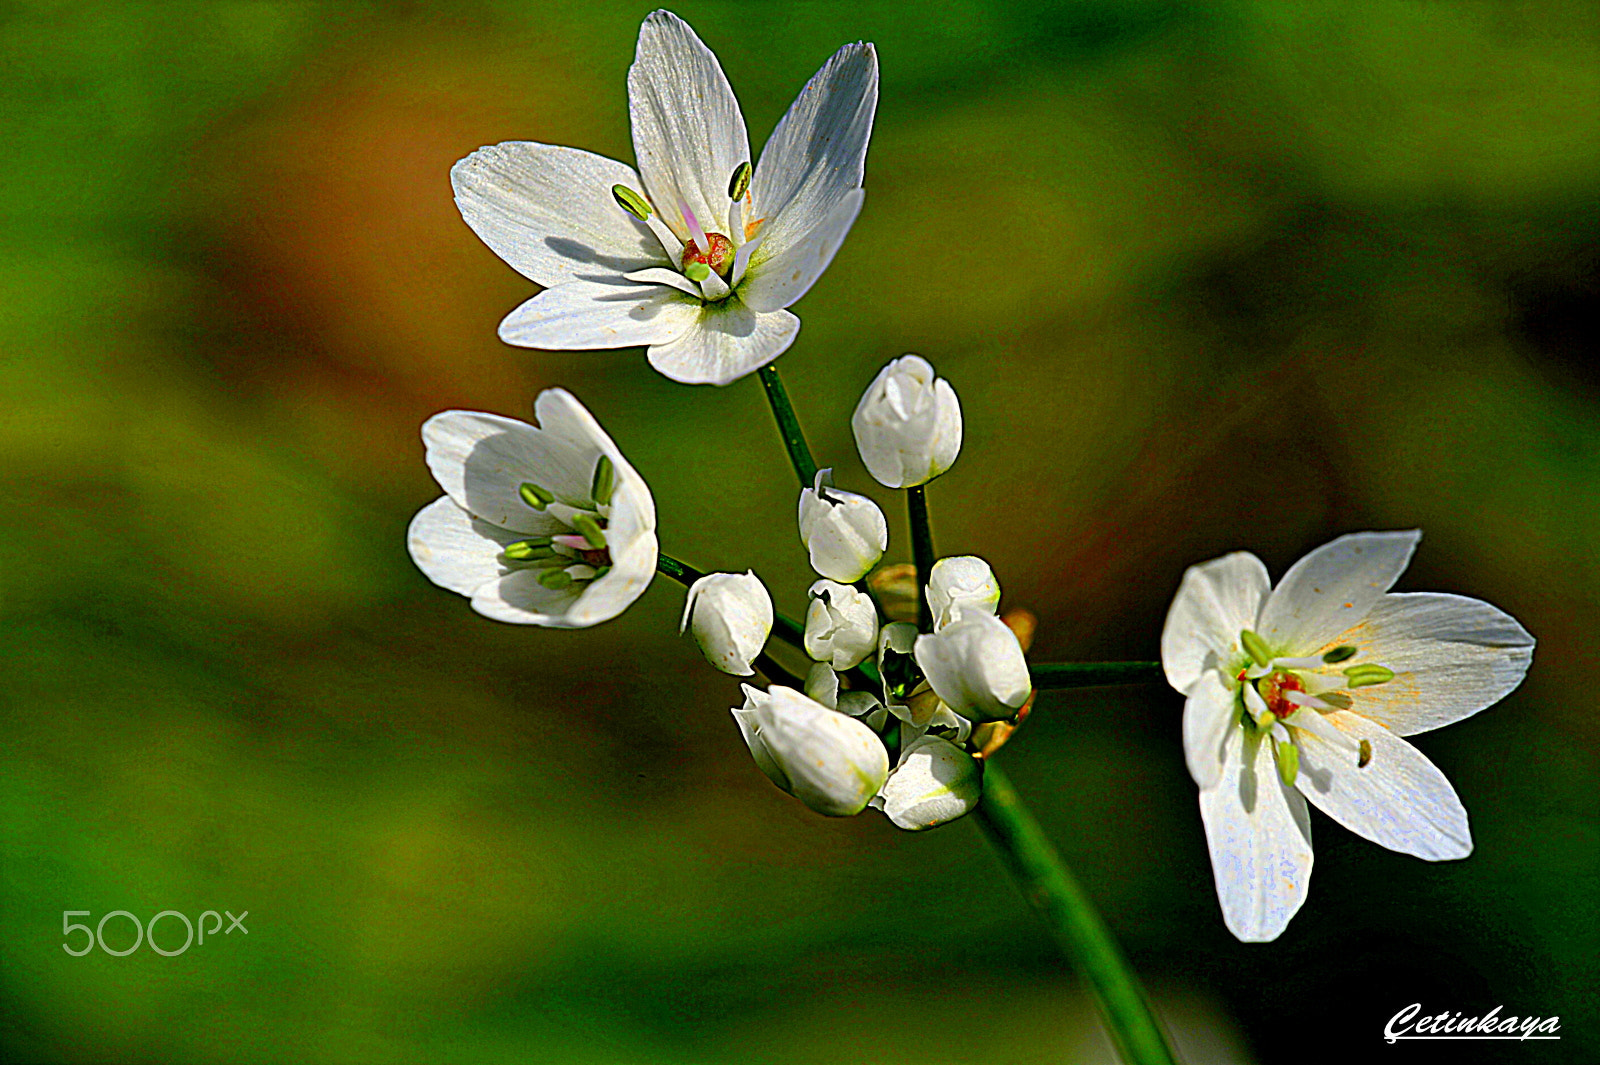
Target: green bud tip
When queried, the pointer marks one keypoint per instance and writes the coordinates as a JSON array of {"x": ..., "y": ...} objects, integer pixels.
[
  {"x": 697, "y": 272},
  {"x": 740, "y": 181},
  {"x": 1288, "y": 763},
  {"x": 1365, "y": 675},
  {"x": 1366, "y": 754},
  {"x": 536, "y": 497},
  {"x": 605, "y": 479},
  {"x": 1339, "y": 654},
  {"x": 590, "y": 530},
  {"x": 631, "y": 202},
  {"x": 527, "y": 550},
  {"x": 555, "y": 579},
  {"x": 1256, "y": 647}
]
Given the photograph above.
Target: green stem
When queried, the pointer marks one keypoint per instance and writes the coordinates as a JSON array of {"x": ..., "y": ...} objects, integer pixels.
[
  {"x": 1093, "y": 674},
  {"x": 1071, "y": 917},
  {"x": 789, "y": 426},
  {"x": 921, "y": 551}
]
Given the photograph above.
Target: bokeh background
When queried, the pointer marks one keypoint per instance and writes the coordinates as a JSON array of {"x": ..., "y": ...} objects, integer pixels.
[{"x": 1207, "y": 276}]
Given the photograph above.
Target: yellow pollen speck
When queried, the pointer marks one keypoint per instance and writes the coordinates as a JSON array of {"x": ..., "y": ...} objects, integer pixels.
[{"x": 751, "y": 227}]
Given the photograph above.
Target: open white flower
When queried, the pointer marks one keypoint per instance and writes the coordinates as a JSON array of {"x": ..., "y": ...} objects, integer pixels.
[
  {"x": 1303, "y": 691},
  {"x": 730, "y": 615},
  {"x": 829, "y": 761},
  {"x": 696, "y": 255},
  {"x": 539, "y": 526}
]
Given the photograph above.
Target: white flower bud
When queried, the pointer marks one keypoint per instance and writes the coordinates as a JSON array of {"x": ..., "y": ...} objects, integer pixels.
[
  {"x": 841, "y": 625},
  {"x": 832, "y": 763},
  {"x": 962, "y": 582},
  {"x": 908, "y": 424},
  {"x": 730, "y": 615},
  {"x": 976, "y": 666},
  {"x": 845, "y": 533},
  {"x": 935, "y": 782}
]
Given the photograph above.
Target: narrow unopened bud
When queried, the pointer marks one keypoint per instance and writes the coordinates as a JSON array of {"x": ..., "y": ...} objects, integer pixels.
[
  {"x": 961, "y": 582},
  {"x": 740, "y": 181},
  {"x": 908, "y": 424},
  {"x": 1255, "y": 647},
  {"x": 841, "y": 625},
  {"x": 730, "y": 615},
  {"x": 1366, "y": 675},
  {"x": 832, "y": 763},
  {"x": 844, "y": 533},
  {"x": 589, "y": 529},
  {"x": 976, "y": 666},
  {"x": 631, "y": 202},
  {"x": 935, "y": 783},
  {"x": 1339, "y": 654},
  {"x": 604, "y": 481},
  {"x": 536, "y": 497}
]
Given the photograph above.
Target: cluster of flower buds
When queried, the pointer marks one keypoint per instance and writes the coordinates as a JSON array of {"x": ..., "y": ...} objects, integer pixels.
[{"x": 887, "y": 715}]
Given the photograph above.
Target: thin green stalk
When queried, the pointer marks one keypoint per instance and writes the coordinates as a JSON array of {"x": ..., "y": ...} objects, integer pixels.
[
  {"x": 1093, "y": 674},
  {"x": 788, "y": 426},
  {"x": 1072, "y": 919},
  {"x": 921, "y": 551}
]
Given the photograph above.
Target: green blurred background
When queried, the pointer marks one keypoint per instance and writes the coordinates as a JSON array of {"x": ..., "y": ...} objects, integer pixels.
[{"x": 1206, "y": 276}]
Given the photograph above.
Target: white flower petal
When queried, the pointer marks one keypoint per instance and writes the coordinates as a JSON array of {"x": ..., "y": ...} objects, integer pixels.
[
  {"x": 1333, "y": 588},
  {"x": 1216, "y": 600},
  {"x": 727, "y": 342},
  {"x": 958, "y": 583},
  {"x": 588, "y": 315},
  {"x": 1260, "y": 842},
  {"x": 818, "y": 152},
  {"x": 455, "y": 550},
  {"x": 1400, "y": 800},
  {"x": 1210, "y": 711},
  {"x": 976, "y": 665},
  {"x": 548, "y": 211},
  {"x": 688, "y": 134},
  {"x": 934, "y": 783},
  {"x": 660, "y": 275},
  {"x": 781, "y": 272},
  {"x": 1452, "y": 656}
]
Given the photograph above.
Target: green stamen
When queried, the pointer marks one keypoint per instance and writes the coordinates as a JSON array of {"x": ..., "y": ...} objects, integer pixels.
[
  {"x": 1256, "y": 647},
  {"x": 536, "y": 497},
  {"x": 555, "y": 579},
  {"x": 527, "y": 550},
  {"x": 589, "y": 529},
  {"x": 605, "y": 479},
  {"x": 1339, "y": 654},
  {"x": 740, "y": 181},
  {"x": 631, "y": 202},
  {"x": 1365, "y": 675},
  {"x": 1288, "y": 762}
]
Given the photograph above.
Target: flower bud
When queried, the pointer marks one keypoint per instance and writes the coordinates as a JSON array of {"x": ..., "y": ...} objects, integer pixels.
[
  {"x": 908, "y": 424},
  {"x": 962, "y": 582},
  {"x": 976, "y": 666},
  {"x": 845, "y": 533},
  {"x": 730, "y": 615},
  {"x": 935, "y": 782},
  {"x": 832, "y": 763},
  {"x": 841, "y": 625}
]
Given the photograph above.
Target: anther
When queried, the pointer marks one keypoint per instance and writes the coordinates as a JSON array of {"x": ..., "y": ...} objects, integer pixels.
[
  {"x": 1366, "y": 754},
  {"x": 528, "y": 550},
  {"x": 1256, "y": 647},
  {"x": 603, "y": 482},
  {"x": 740, "y": 181},
  {"x": 1371, "y": 673},
  {"x": 536, "y": 497},
  {"x": 1339, "y": 654},
  {"x": 589, "y": 529},
  {"x": 555, "y": 579},
  {"x": 631, "y": 202}
]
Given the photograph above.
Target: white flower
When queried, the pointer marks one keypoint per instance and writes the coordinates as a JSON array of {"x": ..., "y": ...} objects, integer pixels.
[
  {"x": 731, "y": 615},
  {"x": 908, "y": 424},
  {"x": 961, "y": 582},
  {"x": 976, "y": 666},
  {"x": 540, "y": 526},
  {"x": 845, "y": 533},
  {"x": 822, "y": 684},
  {"x": 841, "y": 625},
  {"x": 935, "y": 782},
  {"x": 832, "y": 763},
  {"x": 1303, "y": 692},
  {"x": 696, "y": 255}
]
